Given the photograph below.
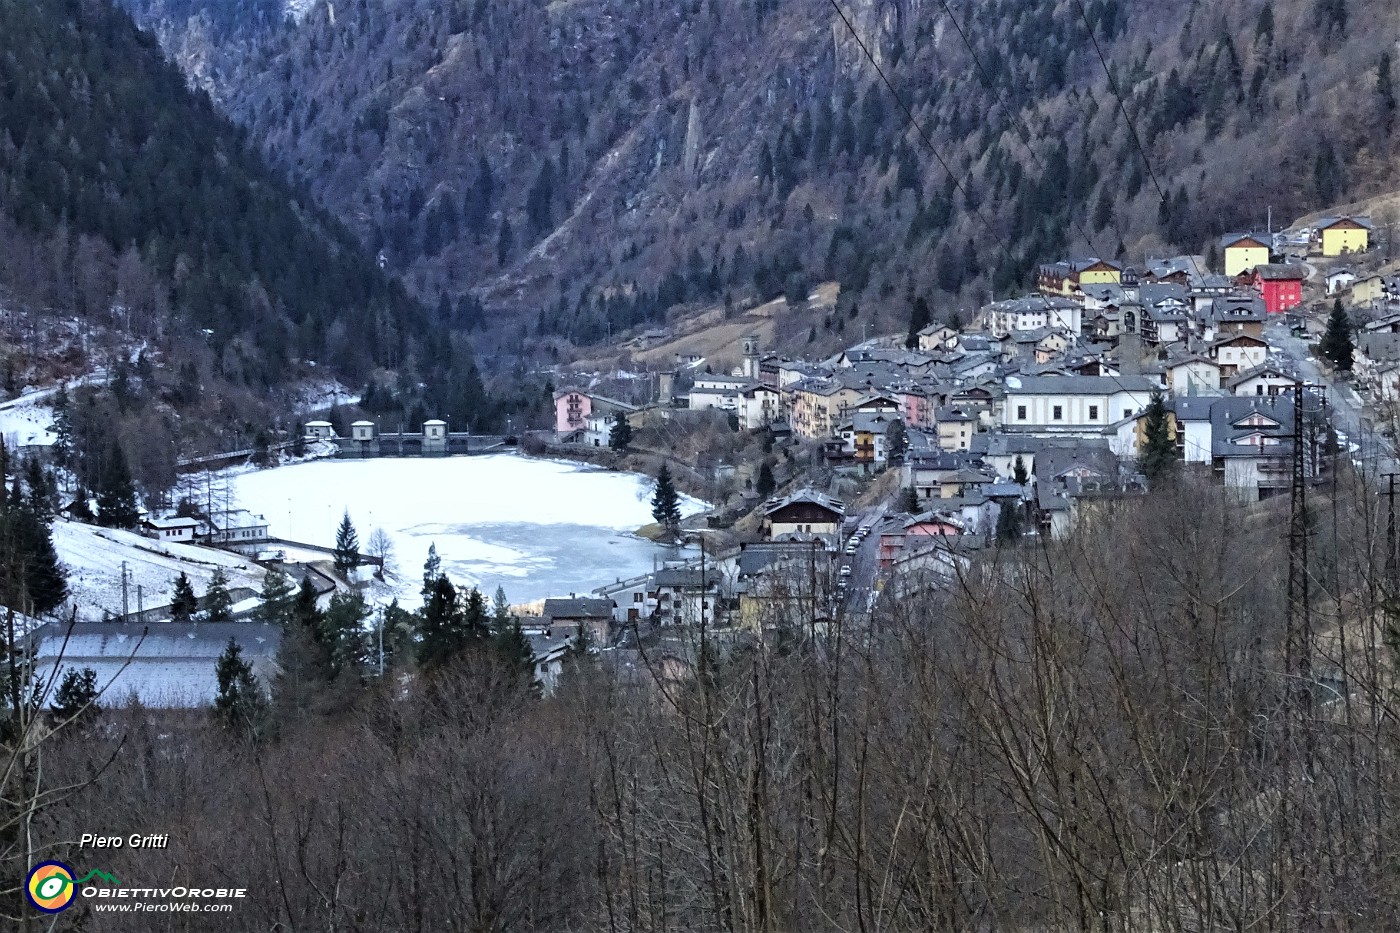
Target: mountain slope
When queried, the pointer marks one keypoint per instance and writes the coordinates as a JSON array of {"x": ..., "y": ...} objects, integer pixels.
[
  {"x": 154, "y": 211},
  {"x": 591, "y": 163}
]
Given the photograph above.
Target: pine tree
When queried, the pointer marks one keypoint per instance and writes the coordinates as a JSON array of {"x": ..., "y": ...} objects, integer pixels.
[
  {"x": 1336, "y": 344},
  {"x": 277, "y": 595},
  {"x": 514, "y": 650},
  {"x": 896, "y": 441},
  {"x": 621, "y": 434},
  {"x": 1019, "y": 476},
  {"x": 441, "y": 626},
  {"x": 62, "y": 428},
  {"x": 1385, "y": 92},
  {"x": 218, "y": 604},
  {"x": 32, "y": 580},
  {"x": 183, "y": 603},
  {"x": 919, "y": 318},
  {"x": 909, "y": 500},
  {"x": 1157, "y": 460},
  {"x": 665, "y": 503},
  {"x": 116, "y": 498},
  {"x": 765, "y": 484},
  {"x": 500, "y": 607},
  {"x": 76, "y": 698},
  {"x": 342, "y": 632},
  {"x": 1008, "y": 523},
  {"x": 239, "y": 705},
  {"x": 347, "y": 546},
  {"x": 432, "y": 569}
]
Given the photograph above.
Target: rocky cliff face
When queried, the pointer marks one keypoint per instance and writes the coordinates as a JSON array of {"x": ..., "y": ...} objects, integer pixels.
[{"x": 584, "y": 165}]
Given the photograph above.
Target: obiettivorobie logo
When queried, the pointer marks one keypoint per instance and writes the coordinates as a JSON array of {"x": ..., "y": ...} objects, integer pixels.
[{"x": 51, "y": 886}]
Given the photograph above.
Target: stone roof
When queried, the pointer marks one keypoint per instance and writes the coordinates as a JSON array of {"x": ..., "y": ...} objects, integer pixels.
[{"x": 578, "y": 608}]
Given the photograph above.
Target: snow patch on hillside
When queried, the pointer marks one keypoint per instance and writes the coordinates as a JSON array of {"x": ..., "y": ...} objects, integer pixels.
[
  {"x": 94, "y": 559},
  {"x": 25, "y": 421}
]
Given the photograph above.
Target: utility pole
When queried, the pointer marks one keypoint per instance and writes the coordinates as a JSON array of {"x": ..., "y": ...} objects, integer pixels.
[
  {"x": 126, "y": 609},
  {"x": 1390, "y": 557}
]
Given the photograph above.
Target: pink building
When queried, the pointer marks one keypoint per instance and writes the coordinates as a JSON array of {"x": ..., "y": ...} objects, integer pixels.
[
  {"x": 917, "y": 408},
  {"x": 571, "y": 411}
]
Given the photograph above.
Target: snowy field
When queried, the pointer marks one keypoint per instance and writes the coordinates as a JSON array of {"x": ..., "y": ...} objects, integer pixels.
[
  {"x": 94, "y": 559},
  {"x": 26, "y": 420},
  {"x": 535, "y": 527}
]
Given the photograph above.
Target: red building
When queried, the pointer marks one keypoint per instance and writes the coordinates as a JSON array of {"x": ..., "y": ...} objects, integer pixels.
[{"x": 1281, "y": 285}]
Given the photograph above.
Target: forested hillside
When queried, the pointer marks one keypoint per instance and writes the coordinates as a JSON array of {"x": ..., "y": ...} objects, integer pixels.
[{"x": 591, "y": 163}]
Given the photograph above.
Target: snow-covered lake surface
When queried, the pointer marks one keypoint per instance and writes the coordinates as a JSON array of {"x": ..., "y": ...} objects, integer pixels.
[{"x": 538, "y": 528}]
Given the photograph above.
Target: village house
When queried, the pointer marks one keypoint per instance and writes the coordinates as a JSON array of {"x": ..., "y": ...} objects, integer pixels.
[
  {"x": 805, "y": 512},
  {"x": 688, "y": 596},
  {"x": 1375, "y": 360},
  {"x": 1243, "y": 251},
  {"x": 1250, "y": 453},
  {"x": 818, "y": 405},
  {"x": 1340, "y": 279},
  {"x": 175, "y": 529},
  {"x": 1281, "y": 285},
  {"x": 1238, "y": 352},
  {"x": 567, "y": 615},
  {"x": 1176, "y": 270},
  {"x": 937, "y": 337},
  {"x": 1262, "y": 380},
  {"x": 598, "y": 426},
  {"x": 571, "y": 410},
  {"x": 1369, "y": 290},
  {"x": 1236, "y": 313},
  {"x": 1072, "y": 405},
  {"x": 1030, "y": 313},
  {"x": 1192, "y": 375},
  {"x": 863, "y": 437},
  {"x": 955, "y": 429},
  {"x": 234, "y": 529},
  {"x": 319, "y": 431},
  {"x": 1343, "y": 236},
  {"x": 1066, "y": 277}
]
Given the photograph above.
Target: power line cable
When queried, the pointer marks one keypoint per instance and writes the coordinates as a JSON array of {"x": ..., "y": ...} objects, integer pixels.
[
  {"x": 1025, "y": 134},
  {"x": 923, "y": 135}
]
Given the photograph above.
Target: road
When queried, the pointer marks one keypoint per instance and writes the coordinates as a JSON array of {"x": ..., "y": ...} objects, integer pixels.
[
  {"x": 864, "y": 563},
  {"x": 1372, "y": 452}
]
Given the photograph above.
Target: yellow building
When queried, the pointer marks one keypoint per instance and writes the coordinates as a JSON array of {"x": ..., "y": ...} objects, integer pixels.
[
  {"x": 818, "y": 405},
  {"x": 1342, "y": 236},
  {"x": 1368, "y": 290},
  {"x": 1243, "y": 251}
]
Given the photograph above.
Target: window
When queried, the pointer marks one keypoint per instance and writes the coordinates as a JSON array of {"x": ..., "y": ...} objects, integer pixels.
[
  {"x": 1093, "y": 413},
  {"x": 1020, "y": 413},
  {"x": 636, "y": 597},
  {"x": 1057, "y": 413},
  {"x": 1127, "y": 413}
]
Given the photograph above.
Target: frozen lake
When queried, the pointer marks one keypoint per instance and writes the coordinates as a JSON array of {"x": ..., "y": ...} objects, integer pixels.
[{"x": 537, "y": 528}]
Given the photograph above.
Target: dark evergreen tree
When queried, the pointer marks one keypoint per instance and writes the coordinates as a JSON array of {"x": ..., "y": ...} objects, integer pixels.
[
  {"x": 76, "y": 698},
  {"x": 1157, "y": 459},
  {"x": 432, "y": 570},
  {"x": 183, "y": 602},
  {"x": 896, "y": 441},
  {"x": 1019, "y": 475},
  {"x": 919, "y": 318},
  {"x": 514, "y": 650},
  {"x": 116, "y": 497},
  {"x": 277, "y": 597},
  {"x": 1336, "y": 344},
  {"x": 1385, "y": 92},
  {"x": 765, "y": 484},
  {"x": 342, "y": 632},
  {"x": 621, "y": 434},
  {"x": 347, "y": 546},
  {"x": 1008, "y": 523},
  {"x": 909, "y": 500},
  {"x": 218, "y": 604},
  {"x": 443, "y": 631},
  {"x": 665, "y": 502},
  {"x": 239, "y": 705}
]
